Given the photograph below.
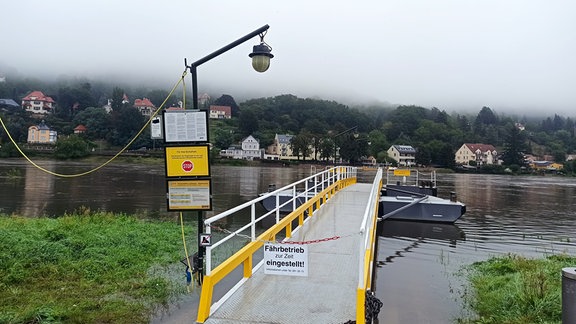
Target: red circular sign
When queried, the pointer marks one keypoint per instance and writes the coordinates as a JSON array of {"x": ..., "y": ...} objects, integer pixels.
[{"x": 187, "y": 166}]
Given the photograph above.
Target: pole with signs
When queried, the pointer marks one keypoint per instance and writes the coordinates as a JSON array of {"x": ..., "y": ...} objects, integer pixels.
[{"x": 187, "y": 148}]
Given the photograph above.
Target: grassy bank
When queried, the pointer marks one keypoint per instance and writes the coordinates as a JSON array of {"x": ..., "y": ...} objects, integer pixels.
[
  {"x": 97, "y": 268},
  {"x": 515, "y": 290}
]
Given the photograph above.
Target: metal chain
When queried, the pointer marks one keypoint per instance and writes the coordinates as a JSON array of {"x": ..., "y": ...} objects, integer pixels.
[
  {"x": 280, "y": 242},
  {"x": 373, "y": 306}
]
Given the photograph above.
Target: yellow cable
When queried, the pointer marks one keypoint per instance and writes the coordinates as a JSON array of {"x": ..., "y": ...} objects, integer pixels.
[
  {"x": 105, "y": 163},
  {"x": 186, "y": 250}
]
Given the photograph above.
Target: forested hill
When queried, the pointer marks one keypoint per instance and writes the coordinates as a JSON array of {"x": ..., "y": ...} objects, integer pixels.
[{"x": 435, "y": 133}]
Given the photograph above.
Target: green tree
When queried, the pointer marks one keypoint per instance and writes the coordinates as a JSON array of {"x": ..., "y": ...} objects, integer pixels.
[
  {"x": 515, "y": 143},
  {"x": 227, "y": 100},
  {"x": 301, "y": 144},
  {"x": 71, "y": 147},
  {"x": 97, "y": 121},
  {"x": 117, "y": 98},
  {"x": 248, "y": 122}
]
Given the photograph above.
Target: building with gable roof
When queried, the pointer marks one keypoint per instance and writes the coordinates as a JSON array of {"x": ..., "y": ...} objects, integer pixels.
[
  {"x": 281, "y": 148},
  {"x": 404, "y": 155},
  {"x": 41, "y": 134},
  {"x": 481, "y": 154},
  {"x": 37, "y": 102},
  {"x": 249, "y": 150},
  {"x": 145, "y": 106},
  {"x": 9, "y": 105},
  {"x": 220, "y": 112}
]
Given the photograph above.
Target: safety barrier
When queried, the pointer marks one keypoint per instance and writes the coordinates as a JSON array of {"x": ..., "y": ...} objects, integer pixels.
[
  {"x": 366, "y": 253},
  {"x": 307, "y": 197}
]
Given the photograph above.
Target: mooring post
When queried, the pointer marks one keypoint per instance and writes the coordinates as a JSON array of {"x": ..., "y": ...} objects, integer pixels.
[{"x": 568, "y": 295}]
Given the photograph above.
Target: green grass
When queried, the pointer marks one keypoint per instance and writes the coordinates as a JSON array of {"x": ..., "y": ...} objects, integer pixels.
[
  {"x": 515, "y": 290},
  {"x": 95, "y": 268}
]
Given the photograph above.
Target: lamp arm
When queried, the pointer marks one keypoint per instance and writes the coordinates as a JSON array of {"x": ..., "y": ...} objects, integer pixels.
[{"x": 212, "y": 55}]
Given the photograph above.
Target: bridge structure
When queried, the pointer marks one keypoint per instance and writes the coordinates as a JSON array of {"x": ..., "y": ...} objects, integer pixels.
[{"x": 332, "y": 221}]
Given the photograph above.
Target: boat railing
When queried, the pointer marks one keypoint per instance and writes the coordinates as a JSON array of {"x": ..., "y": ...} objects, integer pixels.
[
  {"x": 410, "y": 177},
  {"x": 367, "y": 247}
]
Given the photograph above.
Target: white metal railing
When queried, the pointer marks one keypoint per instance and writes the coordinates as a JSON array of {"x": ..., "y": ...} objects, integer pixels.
[
  {"x": 293, "y": 194},
  {"x": 394, "y": 176},
  {"x": 367, "y": 241}
]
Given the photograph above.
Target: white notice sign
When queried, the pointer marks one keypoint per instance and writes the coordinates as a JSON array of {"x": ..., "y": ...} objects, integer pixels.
[
  {"x": 185, "y": 126},
  {"x": 286, "y": 259}
]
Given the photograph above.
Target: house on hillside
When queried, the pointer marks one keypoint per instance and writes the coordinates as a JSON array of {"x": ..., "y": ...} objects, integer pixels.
[
  {"x": 281, "y": 148},
  {"x": 481, "y": 154},
  {"x": 145, "y": 106},
  {"x": 220, "y": 112},
  {"x": 404, "y": 155},
  {"x": 37, "y": 102},
  {"x": 41, "y": 134},
  {"x": 249, "y": 150},
  {"x": 8, "y": 105},
  {"x": 80, "y": 129}
]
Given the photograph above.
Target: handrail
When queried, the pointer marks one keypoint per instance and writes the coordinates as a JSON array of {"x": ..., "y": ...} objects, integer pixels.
[
  {"x": 413, "y": 179},
  {"x": 325, "y": 185},
  {"x": 367, "y": 244}
]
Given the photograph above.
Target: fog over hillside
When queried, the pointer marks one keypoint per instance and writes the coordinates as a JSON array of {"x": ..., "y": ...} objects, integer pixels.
[{"x": 515, "y": 56}]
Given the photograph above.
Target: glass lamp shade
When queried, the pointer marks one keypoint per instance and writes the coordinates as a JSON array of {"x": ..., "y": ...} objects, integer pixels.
[
  {"x": 260, "y": 63},
  {"x": 261, "y": 57}
]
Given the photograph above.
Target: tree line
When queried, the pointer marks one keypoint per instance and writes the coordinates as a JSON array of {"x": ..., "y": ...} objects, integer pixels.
[{"x": 314, "y": 123}]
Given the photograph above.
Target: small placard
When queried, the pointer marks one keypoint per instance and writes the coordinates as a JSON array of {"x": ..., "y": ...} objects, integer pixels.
[
  {"x": 189, "y": 195},
  {"x": 402, "y": 172},
  {"x": 205, "y": 239},
  {"x": 286, "y": 259}
]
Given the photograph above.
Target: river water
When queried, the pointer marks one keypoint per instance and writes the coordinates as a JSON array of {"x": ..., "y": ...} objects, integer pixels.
[{"x": 418, "y": 275}]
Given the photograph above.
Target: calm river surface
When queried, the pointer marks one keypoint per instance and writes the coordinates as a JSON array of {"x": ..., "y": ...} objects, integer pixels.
[{"x": 418, "y": 264}]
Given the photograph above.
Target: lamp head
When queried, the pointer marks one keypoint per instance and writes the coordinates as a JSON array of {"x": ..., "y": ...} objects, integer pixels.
[{"x": 261, "y": 57}]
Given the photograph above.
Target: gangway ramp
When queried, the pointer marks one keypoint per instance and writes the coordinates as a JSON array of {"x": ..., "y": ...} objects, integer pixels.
[{"x": 330, "y": 293}]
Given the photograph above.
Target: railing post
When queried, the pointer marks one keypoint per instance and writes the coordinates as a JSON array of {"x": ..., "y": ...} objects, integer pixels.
[
  {"x": 568, "y": 295},
  {"x": 253, "y": 222},
  {"x": 208, "y": 260}
]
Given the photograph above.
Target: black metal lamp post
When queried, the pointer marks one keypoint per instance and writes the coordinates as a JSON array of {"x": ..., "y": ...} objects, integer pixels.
[{"x": 260, "y": 62}]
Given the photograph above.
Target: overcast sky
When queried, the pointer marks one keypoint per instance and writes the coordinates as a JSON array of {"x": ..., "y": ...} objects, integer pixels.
[{"x": 509, "y": 55}]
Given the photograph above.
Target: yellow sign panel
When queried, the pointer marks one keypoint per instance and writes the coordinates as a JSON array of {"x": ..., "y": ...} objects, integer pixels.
[
  {"x": 402, "y": 173},
  {"x": 187, "y": 161},
  {"x": 189, "y": 195}
]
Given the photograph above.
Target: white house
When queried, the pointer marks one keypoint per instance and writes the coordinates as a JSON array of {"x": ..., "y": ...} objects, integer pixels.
[
  {"x": 480, "y": 153},
  {"x": 404, "y": 155},
  {"x": 220, "y": 112},
  {"x": 38, "y": 103},
  {"x": 249, "y": 150}
]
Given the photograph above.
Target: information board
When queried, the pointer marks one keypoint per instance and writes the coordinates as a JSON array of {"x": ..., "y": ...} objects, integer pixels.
[
  {"x": 187, "y": 161},
  {"x": 185, "y": 126},
  {"x": 286, "y": 259},
  {"x": 189, "y": 195}
]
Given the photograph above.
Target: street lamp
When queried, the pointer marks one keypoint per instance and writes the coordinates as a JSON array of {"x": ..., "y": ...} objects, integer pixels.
[
  {"x": 260, "y": 62},
  {"x": 342, "y": 133},
  {"x": 260, "y": 58}
]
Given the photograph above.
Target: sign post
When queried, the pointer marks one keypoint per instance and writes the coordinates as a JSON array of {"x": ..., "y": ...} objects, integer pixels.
[{"x": 188, "y": 179}]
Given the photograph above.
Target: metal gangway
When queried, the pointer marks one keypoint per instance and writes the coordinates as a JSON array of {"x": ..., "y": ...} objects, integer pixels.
[{"x": 334, "y": 217}]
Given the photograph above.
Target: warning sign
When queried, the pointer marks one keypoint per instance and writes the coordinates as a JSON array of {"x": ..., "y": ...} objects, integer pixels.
[
  {"x": 187, "y": 161},
  {"x": 285, "y": 259}
]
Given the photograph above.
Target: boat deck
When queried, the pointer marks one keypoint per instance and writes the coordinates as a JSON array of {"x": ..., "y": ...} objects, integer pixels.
[{"x": 328, "y": 293}]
